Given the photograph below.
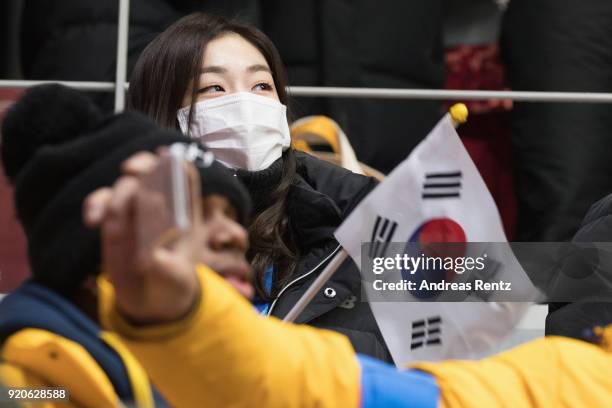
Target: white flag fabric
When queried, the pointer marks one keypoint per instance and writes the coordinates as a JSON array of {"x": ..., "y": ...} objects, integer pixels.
[{"x": 437, "y": 185}]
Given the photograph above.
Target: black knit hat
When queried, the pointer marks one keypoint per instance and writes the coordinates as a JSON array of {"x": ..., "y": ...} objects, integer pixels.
[
  {"x": 218, "y": 179},
  {"x": 56, "y": 149}
]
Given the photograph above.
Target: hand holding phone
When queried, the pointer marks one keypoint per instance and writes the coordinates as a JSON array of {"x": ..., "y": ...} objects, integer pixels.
[{"x": 150, "y": 238}]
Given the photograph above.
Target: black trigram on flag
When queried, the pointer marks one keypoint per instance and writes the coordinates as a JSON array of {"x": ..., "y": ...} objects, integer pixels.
[
  {"x": 382, "y": 233},
  {"x": 426, "y": 332},
  {"x": 442, "y": 185}
]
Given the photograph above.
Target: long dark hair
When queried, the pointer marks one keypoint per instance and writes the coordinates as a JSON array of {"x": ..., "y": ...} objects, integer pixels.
[{"x": 161, "y": 78}]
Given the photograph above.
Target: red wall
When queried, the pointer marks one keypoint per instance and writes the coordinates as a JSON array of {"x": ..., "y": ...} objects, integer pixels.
[{"x": 13, "y": 258}]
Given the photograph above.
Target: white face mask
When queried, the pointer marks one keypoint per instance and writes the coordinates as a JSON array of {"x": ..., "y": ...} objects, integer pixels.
[{"x": 243, "y": 130}]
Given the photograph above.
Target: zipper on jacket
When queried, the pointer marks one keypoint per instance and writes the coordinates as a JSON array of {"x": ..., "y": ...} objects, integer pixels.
[{"x": 299, "y": 278}]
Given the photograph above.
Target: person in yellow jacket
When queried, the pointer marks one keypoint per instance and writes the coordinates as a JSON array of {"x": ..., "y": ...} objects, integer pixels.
[
  {"x": 56, "y": 149},
  {"x": 203, "y": 345}
]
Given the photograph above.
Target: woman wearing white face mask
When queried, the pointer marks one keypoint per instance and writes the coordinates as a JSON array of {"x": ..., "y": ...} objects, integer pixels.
[{"x": 224, "y": 83}]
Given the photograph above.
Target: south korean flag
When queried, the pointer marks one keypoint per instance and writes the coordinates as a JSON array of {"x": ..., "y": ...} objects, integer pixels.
[{"x": 437, "y": 192}]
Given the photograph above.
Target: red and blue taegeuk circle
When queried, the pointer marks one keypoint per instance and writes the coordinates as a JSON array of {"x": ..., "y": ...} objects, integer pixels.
[{"x": 429, "y": 239}]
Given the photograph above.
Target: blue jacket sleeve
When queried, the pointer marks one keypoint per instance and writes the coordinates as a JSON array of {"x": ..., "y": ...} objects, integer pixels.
[{"x": 382, "y": 385}]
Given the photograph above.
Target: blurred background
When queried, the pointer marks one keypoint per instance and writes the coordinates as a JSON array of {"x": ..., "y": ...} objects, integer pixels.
[{"x": 545, "y": 163}]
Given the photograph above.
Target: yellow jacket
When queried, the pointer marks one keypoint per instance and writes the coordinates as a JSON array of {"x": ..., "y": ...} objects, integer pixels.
[
  {"x": 38, "y": 358},
  {"x": 224, "y": 354},
  {"x": 549, "y": 372}
]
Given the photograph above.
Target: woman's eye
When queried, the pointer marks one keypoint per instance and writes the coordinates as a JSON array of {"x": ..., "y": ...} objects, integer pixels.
[
  {"x": 211, "y": 89},
  {"x": 263, "y": 86}
]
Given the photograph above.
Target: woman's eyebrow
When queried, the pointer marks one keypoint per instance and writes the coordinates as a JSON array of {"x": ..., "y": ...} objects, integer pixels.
[
  {"x": 215, "y": 69},
  {"x": 258, "y": 68}
]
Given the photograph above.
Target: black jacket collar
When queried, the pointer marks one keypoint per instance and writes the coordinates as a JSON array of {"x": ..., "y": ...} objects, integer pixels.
[{"x": 313, "y": 216}]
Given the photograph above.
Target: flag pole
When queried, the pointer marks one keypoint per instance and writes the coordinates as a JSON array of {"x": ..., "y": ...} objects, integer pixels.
[
  {"x": 321, "y": 280},
  {"x": 459, "y": 114}
]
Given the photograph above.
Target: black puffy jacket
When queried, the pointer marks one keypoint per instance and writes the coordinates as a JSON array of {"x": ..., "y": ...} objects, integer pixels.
[
  {"x": 577, "y": 319},
  {"x": 320, "y": 199}
]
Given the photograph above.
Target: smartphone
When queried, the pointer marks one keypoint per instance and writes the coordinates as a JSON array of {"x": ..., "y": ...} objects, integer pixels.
[{"x": 163, "y": 204}]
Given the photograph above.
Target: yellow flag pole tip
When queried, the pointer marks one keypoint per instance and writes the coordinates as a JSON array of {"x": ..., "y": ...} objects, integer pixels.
[{"x": 459, "y": 113}]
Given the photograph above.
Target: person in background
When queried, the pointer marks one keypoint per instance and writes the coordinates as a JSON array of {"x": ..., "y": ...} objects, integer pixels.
[
  {"x": 285, "y": 365},
  {"x": 57, "y": 148},
  {"x": 563, "y": 149},
  {"x": 571, "y": 318},
  {"x": 223, "y": 84}
]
